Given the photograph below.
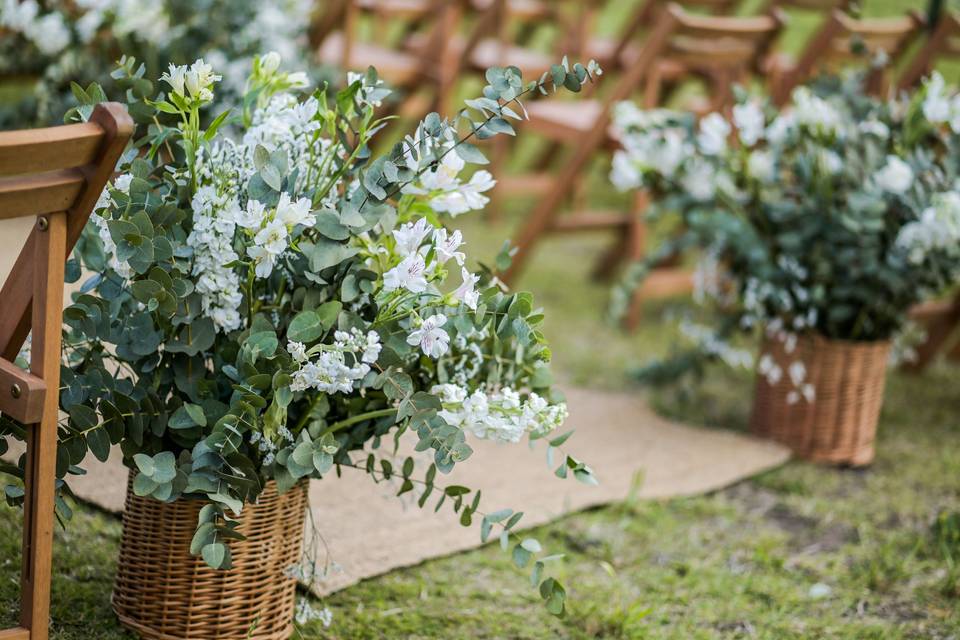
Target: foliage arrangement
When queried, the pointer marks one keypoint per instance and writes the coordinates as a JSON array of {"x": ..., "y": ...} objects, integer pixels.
[
  {"x": 49, "y": 46},
  {"x": 272, "y": 302},
  {"x": 832, "y": 217}
]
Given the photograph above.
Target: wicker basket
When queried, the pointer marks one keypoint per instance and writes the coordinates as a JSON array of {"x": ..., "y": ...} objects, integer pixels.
[
  {"x": 840, "y": 424},
  {"x": 164, "y": 593}
]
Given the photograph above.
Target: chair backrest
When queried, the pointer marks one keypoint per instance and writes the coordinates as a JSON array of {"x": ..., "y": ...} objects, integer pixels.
[
  {"x": 55, "y": 175},
  {"x": 844, "y": 40},
  {"x": 824, "y": 6},
  {"x": 944, "y": 42},
  {"x": 722, "y": 41},
  {"x": 515, "y": 23}
]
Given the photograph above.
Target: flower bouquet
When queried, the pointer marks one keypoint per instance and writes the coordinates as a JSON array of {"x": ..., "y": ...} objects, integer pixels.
[
  {"x": 821, "y": 226},
  {"x": 270, "y": 302}
]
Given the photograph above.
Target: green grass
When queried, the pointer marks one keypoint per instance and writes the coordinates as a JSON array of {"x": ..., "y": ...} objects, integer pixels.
[{"x": 800, "y": 552}]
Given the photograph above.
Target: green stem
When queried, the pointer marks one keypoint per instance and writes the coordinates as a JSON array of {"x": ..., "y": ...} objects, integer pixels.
[{"x": 360, "y": 417}]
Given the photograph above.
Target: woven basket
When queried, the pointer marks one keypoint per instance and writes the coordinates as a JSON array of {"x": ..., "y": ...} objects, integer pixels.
[
  {"x": 164, "y": 593},
  {"x": 840, "y": 424}
]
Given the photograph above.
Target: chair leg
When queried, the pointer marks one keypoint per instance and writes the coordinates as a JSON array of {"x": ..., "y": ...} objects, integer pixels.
[
  {"x": 41, "y": 468},
  {"x": 941, "y": 320}
]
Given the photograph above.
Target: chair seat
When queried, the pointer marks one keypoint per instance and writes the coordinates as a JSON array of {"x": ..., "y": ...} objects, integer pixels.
[
  {"x": 491, "y": 53},
  {"x": 395, "y": 67},
  {"x": 563, "y": 120}
]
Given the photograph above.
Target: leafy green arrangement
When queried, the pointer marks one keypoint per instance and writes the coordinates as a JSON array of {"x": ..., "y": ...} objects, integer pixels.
[
  {"x": 45, "y": 47},
  {"x": 269, "y": 299},
  {"x": 832, "y": 217}
]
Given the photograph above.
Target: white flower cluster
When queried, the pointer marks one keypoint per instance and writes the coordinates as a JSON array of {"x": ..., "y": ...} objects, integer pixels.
[
  {"x": 896, "y": 176},
  {"x": 48, "y": 32},
  {"x": 937, "y": 229},
  {"x": 213, "y": 254},
  {"x": 447, "y": 192},
  {"x": 194, "y": 82},
  {"x": 271, "y": 228},
  {"x": 938, "y": 106},
  {"x": 122, "y": 184},
  {"x": 289, "y": 125},
  {"x": 330, "y": 372},
  {"x": 707, "y": 340},
  {"x": 306, "y": 613},
  {"x": 412, "y": 272},
  {"x": 147, "y": 21},
  {"x": 501, "y": 416}
]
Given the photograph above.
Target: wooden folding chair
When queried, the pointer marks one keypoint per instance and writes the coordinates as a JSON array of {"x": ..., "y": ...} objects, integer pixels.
[
  {"x": 583, "y": 126},
  {"x": 429, "y": 66},
  {"x": 505, "y": 27},
  {"x": 56, "y": 175},
  {"x": 944, "y": 42},
  {"x": 845, "y": 40},
  {"x": 613, "y": 52},
  {"x": 940, "y": 320},
  {"x": 718, "y": 50}
]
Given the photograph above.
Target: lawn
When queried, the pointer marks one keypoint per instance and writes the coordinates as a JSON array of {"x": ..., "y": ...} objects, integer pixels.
[{"x": 800, "y": 552}]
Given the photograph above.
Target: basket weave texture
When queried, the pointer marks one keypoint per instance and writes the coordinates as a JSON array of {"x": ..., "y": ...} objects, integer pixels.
[
  {"x": 840, "y": 425},
  {"x": 164, "y": 593}
]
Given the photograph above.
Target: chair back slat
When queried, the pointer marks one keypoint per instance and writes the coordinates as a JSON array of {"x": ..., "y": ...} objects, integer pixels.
[
  {"x": 39, "y": 193},
  {"x": 943, "y": 42},
  {"x": 33, "y": 150}
]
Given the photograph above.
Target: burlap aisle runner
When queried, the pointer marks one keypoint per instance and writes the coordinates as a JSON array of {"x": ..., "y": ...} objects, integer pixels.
[{"x": 369, "y": 532}]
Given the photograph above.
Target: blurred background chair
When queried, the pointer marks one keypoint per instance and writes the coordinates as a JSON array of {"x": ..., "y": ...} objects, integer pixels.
[
  {"x": 844, "y": 41},
  {"x": 424, "y": 76}
]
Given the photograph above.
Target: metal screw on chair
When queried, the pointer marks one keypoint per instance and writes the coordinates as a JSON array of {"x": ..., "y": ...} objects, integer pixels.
[
  {"x": 42, "y": 223},
  {"x": 15, "y": 391}
]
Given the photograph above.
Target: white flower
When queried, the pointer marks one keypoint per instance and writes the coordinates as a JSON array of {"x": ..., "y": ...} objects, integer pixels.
[
  {"x": 831, "y": 162},
  {"x": 297, "y": 351},
  {"x": 814, "y": 112},
  {"x": 273, "y": 237},
  {"x": 761, "y": 166},
  {"x": 176, "y": 77},
  {"x": 411, "y": 235},
  {"x": 252, "y": 216},
  {"x": 294, "y": 213},
  {"x": 446, "y": 246},
  {"x": 781, "y": 126},
  {"x": 466, "y": 292},
  {"x": 410, "y": 274},
  {"x": 936, "y": 104},
  {"x": 467, "y": 197},
  {"x": 50, "y": 34},
  {"x": 430, "y": 337},
  {"x": 937, "y": 229},
  {"x": 895, "y": 177},
  {"x": 199, "y": 81},
  {"x": 270, "y": 62},
  {"x": 875, "y": 128},
  {"x": 750, "y": 122},
  {"x": 714, "y": 130},
  {"x": 371, "y": 348},
  {"x": 263, "y": 259},
  {"x": 700, "y": 179}
]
